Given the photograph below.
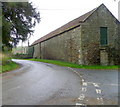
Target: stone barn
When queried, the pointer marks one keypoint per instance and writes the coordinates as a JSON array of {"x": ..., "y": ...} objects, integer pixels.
[{"x": 91, "y": 39}]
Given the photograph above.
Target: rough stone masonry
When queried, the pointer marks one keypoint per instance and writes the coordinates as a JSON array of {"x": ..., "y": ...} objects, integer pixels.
[{"x": 91, "y": 39}]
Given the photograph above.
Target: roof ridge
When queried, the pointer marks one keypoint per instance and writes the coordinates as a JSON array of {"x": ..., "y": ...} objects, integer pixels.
[{"x": 75, "y": 22}]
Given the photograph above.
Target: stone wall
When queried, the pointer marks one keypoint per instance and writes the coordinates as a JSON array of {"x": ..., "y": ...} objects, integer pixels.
[
  {"x": 37, "y": 49},
  {"x": 90, "y": 34},
  {"x": 64, "y": 47}
]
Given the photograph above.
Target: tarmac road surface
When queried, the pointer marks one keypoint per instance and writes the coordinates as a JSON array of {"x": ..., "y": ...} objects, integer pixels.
[{"x": 37, "y": 83}]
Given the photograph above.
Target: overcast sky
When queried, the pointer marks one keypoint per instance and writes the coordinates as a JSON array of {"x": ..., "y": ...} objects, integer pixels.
[{"x": 55, "y": 13}]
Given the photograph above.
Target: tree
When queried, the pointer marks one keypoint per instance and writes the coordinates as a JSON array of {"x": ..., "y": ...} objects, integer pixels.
[{"x": 18, "y": 19}]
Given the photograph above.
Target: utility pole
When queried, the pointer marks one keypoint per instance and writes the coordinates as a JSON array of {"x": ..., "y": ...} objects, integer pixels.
[{"x": 28, "y": 43}]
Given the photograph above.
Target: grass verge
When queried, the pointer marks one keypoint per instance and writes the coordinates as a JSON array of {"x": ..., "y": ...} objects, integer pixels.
[
  {"x": 67, "y": 64},
  {"x": 8, "y": 67}
]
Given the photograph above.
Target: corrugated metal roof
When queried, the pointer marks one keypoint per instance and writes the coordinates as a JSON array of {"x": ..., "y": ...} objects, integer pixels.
[{"x": 69, "y": 25}]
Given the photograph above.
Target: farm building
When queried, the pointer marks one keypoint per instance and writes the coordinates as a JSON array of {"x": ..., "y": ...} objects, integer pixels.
[
  {"x": 20, "y": 50},
  {"x": 90, "y": 39}
]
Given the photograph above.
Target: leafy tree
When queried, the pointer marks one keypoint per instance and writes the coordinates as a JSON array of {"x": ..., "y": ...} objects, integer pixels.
[{"x": 18, "y": 19}]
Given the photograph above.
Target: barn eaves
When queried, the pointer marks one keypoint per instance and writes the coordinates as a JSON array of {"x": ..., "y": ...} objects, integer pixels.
[{"x": 70, "y": 25}]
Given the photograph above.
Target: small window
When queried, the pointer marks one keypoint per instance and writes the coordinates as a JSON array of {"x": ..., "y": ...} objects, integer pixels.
[{"x": 103, "y": 36}]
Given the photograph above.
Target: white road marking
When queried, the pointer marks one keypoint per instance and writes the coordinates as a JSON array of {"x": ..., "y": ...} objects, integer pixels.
[
  {"x": 84, "y": 83},
  {"x": 75, "y": 72},
  {"x": 84, "y": 89},
  {"x": 96, "y": 85},
  {"x": 99, "y": 98},
  {"x": 83, "y": 80},
  {"x": 79, "y": 104},
  {"x": 81, "y": 97},
  {"x": 103, "y": 84},
  {"x": 98, "y": 91}
]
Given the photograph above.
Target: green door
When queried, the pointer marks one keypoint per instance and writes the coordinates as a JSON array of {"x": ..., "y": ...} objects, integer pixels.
[{"x": 103, "y": 36}]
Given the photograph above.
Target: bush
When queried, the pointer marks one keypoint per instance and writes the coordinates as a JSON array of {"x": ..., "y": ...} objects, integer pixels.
[
  {"x": 5, "y": 58},
  {"x": 20, "y": 56},
  {"x": 114, "y": 54},
  {"x": 92, "y": 55}
]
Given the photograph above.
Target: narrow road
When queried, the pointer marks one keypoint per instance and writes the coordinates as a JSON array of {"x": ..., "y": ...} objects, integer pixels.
[{"x": 37, "y": 83}]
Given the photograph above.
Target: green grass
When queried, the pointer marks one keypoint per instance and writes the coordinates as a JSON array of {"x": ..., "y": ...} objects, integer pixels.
[
  {"x": 67, "y": 64},
  {"x": 8, "y": 67}
]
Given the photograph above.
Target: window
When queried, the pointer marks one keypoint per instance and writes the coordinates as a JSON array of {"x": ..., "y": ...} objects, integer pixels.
[{"x": 103, "y": 36}]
